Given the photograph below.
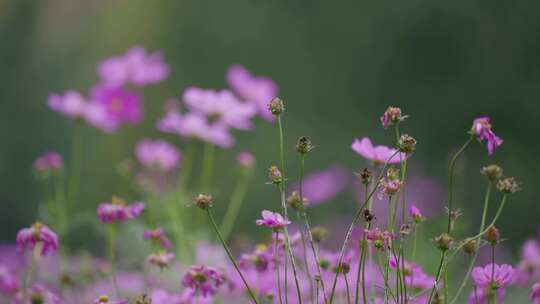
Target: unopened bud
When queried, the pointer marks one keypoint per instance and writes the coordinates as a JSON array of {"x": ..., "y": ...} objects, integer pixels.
[
  {"x": 303, "y": 145},
  {"x": 470, "y": 247},
  {"x": 276, "y": 106},
  {"x": 492, "y": 172},
  {"x": 319, "y": 234},
  {"x": 392, "y": 115},
  {"x": 508, "y": 185},
  {"x": 492, "y": 235},
  {"x": 274, "y": 175},
  {"x": 344, "y": 268},
  {"x": 444, "y": 241},
  {"x": 204, "y": 201},
  {"x": 406, "y": 143}
]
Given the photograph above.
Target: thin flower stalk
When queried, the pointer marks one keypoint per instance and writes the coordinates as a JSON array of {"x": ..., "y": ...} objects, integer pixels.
[
  {"x": 237, "y": 199},
  {"x": 112, "y": 253},
  {"x": 276, "y": 258},
  {"x": 76, "y": 162}
]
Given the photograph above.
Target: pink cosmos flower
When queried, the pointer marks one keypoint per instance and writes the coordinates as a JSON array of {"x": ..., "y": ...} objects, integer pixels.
[
  {"x": 322, "y": 186},
  {"x": 196, "y": 125},
  {"x": 377, "y": 154},
  {"x": 121, "y": 105},
  {"x": 158, "y": 236},
  {"x": 49, "y": 161},
  {"x": 71, "y": 104},
  {"x": 118, "y": 211},
  {"x": 220, "y": 107},
  {"x": 157, "y": 154},
  {"x": 257, "y": 89},
  {"x": 245, "y": 160},
  {"x": 137, "y": 67},
  {"x": 535, "y": 294},
  {"x": 503, "y": 275},
  {"x": 203, "y": 279},
  {"x": 482, "y": 129},
  {"x": 273, "y": 220},
  {"x": 9, "y": 283},
  {"x": 37, "y": 234},
  {"x": 162, "y": 259}
]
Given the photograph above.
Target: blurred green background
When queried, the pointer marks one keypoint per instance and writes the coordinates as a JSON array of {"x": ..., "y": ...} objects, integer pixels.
[{"x": 339, "y": 64}]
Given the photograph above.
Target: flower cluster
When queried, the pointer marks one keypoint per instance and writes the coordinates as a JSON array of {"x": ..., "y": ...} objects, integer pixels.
[
  {"x": 118, "y": 211},
  {"x": 203, "y": 279}
]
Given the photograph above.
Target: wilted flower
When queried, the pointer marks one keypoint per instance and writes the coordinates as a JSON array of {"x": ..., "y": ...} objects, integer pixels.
[
  {"x": 276, "y": 106},
  {"x": 482, "y": 129},
  {"x": 274, "y": 175},
  {"x": 136, "y": 67},
  {"x": 203, "y": 279},
  {"x": 157, "y": 154},
  {"x": 319, "y": 234},
  {"x": 118, "y": 211},
  {"x": 38, "y": 233},
  {"x": 390, "y": 116},
  {"x": 161, "y": 259},
  {"x": 157, "y": 236},
  {"x": 144, "y": 299},
  {"x": 390, "y": 186},
  {"x": 105, "y": 300},
  {"x": 444, "y": 241},
  {"x": 470, "y": 246},
  {"x": 416, "y": 214},
  {"x": 303, "y": 145},
  {"x": 508, "y": 185},
  {"x": 368, "y": 215},
  {"x": 502, "y": 276},
  {"x": 273, "y": 220},
  {"x": 204, "y": 201},
  {"x": 49, "y": 161},
  {"x": 377, "y": 154},
  {"x": 406, "y": 143},
  {"x": 245, "y": 160},
  {"x": 492, "y": 235},
  {"x": 492, "y": 172},
  {"x": 257, "y": 89},
  {"x": 295, "y": 201},
  {"x": 381, "y": 239},
  {"x": 365, "y": 176}
]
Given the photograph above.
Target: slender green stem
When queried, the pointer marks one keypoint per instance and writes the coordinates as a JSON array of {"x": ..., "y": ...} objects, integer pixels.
[
  {"x": 437, "y": 277},
  {"x": 187, "y": 166},
  {"x": 356, "y": 217},
  {"x": 360, "y": 275},
  {"x": 29, "y": 273},
  {"x": 76, "y": 163},
  {"x": 111, "y": 247},
  {"x": 276, "y": 261},
  {"x": 473, "y": 259},
  {"x": 306, "y": 263},
  {"x": 347, "y": 288},
  {"x": 207, "y": 167},
  {"x": 231, "y": 257},
  {"x": 237, "y": 199},
  {"x": 60, "y": 198}
]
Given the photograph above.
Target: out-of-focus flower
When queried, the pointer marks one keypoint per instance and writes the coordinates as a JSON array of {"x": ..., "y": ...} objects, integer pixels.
[
  {"x": 122, "y": 106},
  {"x": 38, "y": 234},
  {"x": 220, "y": 107},
  {"x": 492, "y": 172},
  {"x": 9, "y": 283},
  {"x": 535, "y": 294},
  {"x": 322, "y": 186},
  {"x": 480, "y": 295},
  {"x": 377, "y": 154},
  {"x": 503, "y": 275},
  {"x": 392, "y": 115},
  {"x": 49, "y": 161},
  {"x": 257, "y": 89},
  {"x": 157, "y": 154},
  {"x": 157, "y": 236},
  {"x": 39, "y": 294},
  {"x": 72, "y": 104},
  {"x": 444, "y": 241},
  {"x": 415, "y": 277},
  {"x": 204, "y": 201},
  {"x": 381, "y": 239},
  {"x": 508, "y": 185},
  {"x": 162, "y": 259},
  {"x": 274, "y": 175},
  {"x": 273, "y": 220},
  {"x": 136, "y": 67},
  {"x": 482, "y": 129},
  {"x": 105, "y": 300},
  {"x": 118, "y": 211},
  {"x": 276, "y": 106},
  {"x": 260, "y": 259},
  {"x": 416, "y": 214},
  {"x": 245, "y": 160},
  {"x": 529, "y": 267},
  {"x": 203, "y": 279},
  {"x": 304, "y": 145}
]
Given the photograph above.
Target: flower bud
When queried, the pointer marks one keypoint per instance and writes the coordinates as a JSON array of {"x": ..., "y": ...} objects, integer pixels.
[
  {"x": 508, "y": 185},
  {"x": 492, "y": 235},
  {"x": 406, "y": 143},
  {"x": 276, "y": 106},
  {"x": 365, "y": 176},
  {"x": 368, "y": 215},
  {"x": 344, "y": 268},
  {"x": 416, "y": 214},
  {"x": 324, "y": 264},
  {"x": 319, "y": 234},
  {"x": 392, "y": 173},
  {"x": 204, "y": 201},
  {"x": 295, "y": 201},
  {"x": 392, "y": 115},
  {"x": 492, "y": 172},
  {"x": 303, "y": 145},
  {"x": 444, "y": 241},
  {"x": 274, "y": 175},
  {"x": 470, "y": 247}
]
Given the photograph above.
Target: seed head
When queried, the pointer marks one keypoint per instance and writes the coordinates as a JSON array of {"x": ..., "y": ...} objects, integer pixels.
[
  {"x": 392, "y": 115},
  {"x": 492, "y": 172},
  {"x": 470, "y": 247},
  {"x": 274, "y": 175},
  {"x": 406, "y": 143},
  {"x": 508, "y": 185},
  {"x": 204, "y": 201},
  {"x": 365, "y": 176},
  {"x": 492, "y": 235},
  {"x": 276, "y": 106},
  {"x": 444, "y": 241},
  {"x": 319, "y": 234},
  {"x": 303, "y": 145},
  {"x": 295, "y": 201},
  {"x": 368, "y": 215}
]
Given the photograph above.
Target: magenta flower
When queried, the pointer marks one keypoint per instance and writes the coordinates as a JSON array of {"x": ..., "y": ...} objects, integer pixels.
[
  {"x": 157, "y": 154},
  {"x": 482, "y": 130},
  {"x": 380, "y": 239},
  {"x": 322, "y": 186},
  {"x": 121, "y": 105},
  {"x": 37, "y": 234},
  {"x": 273, "y": 220},
  {"x": 503, "y": 275},
  {"x": 106, "y": 300},
  {"x": 136, "y": 67},
  {"x": 257, "y": 89},
  {"x": 416, "y": 214},
  {"x": 9, "y": 283},
  {"x": 261, "y": 259},
  {"x": 535, "y": 294},
  {"x": 377, "y": 154},
  {"x": 49, "y": 161},
  {"x": 203, "y": 279},
  {"x": 245, "y": 160},
  {"x": 118, "y": 211},
  {"x": 220, "y": 107},
  {"x": 157, "y": 236},
  {"x": 162, "y": 259},
  {"x": 71, "y": 104}
]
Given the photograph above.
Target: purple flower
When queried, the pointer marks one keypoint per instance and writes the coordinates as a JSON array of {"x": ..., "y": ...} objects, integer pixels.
[
  {"x": 482, "y": 130},
  {"x": 72, "y": 104},
  {"x": 377, "y": 154},
  {"x": 322, "y": 186},
  {"x": 203, "y": 279},
  {"x": 503, "y": 275},
  {"x": 136, "y": 67},
  {"x": 157, "y": 154},
  {"x": 273, "y": 220},
  {"x": 37, "y": 234},
  {"x": 106, "y": 300},
  {"x": 49, "y": 161},
  {"x": 261, "y": 259},
  {"x": 257, "y": 89},
  {"x": 158, "y": 236},
  {"x": 118, "y": 211},
  {"x": 9, "y": 283},
  {"x": 39, "y": 294},
  {"x": 162, "y": 259},
  {"x": 121, "y": 105},
  {"x": 416, "y": 214},
  {"x": 529, "y": 266},
  {"x": 245, "y": 160},
  {"x": 220, "y": 107},
  {"x": 381, "y": 239},
  {"x": 535, "y": 294}
]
